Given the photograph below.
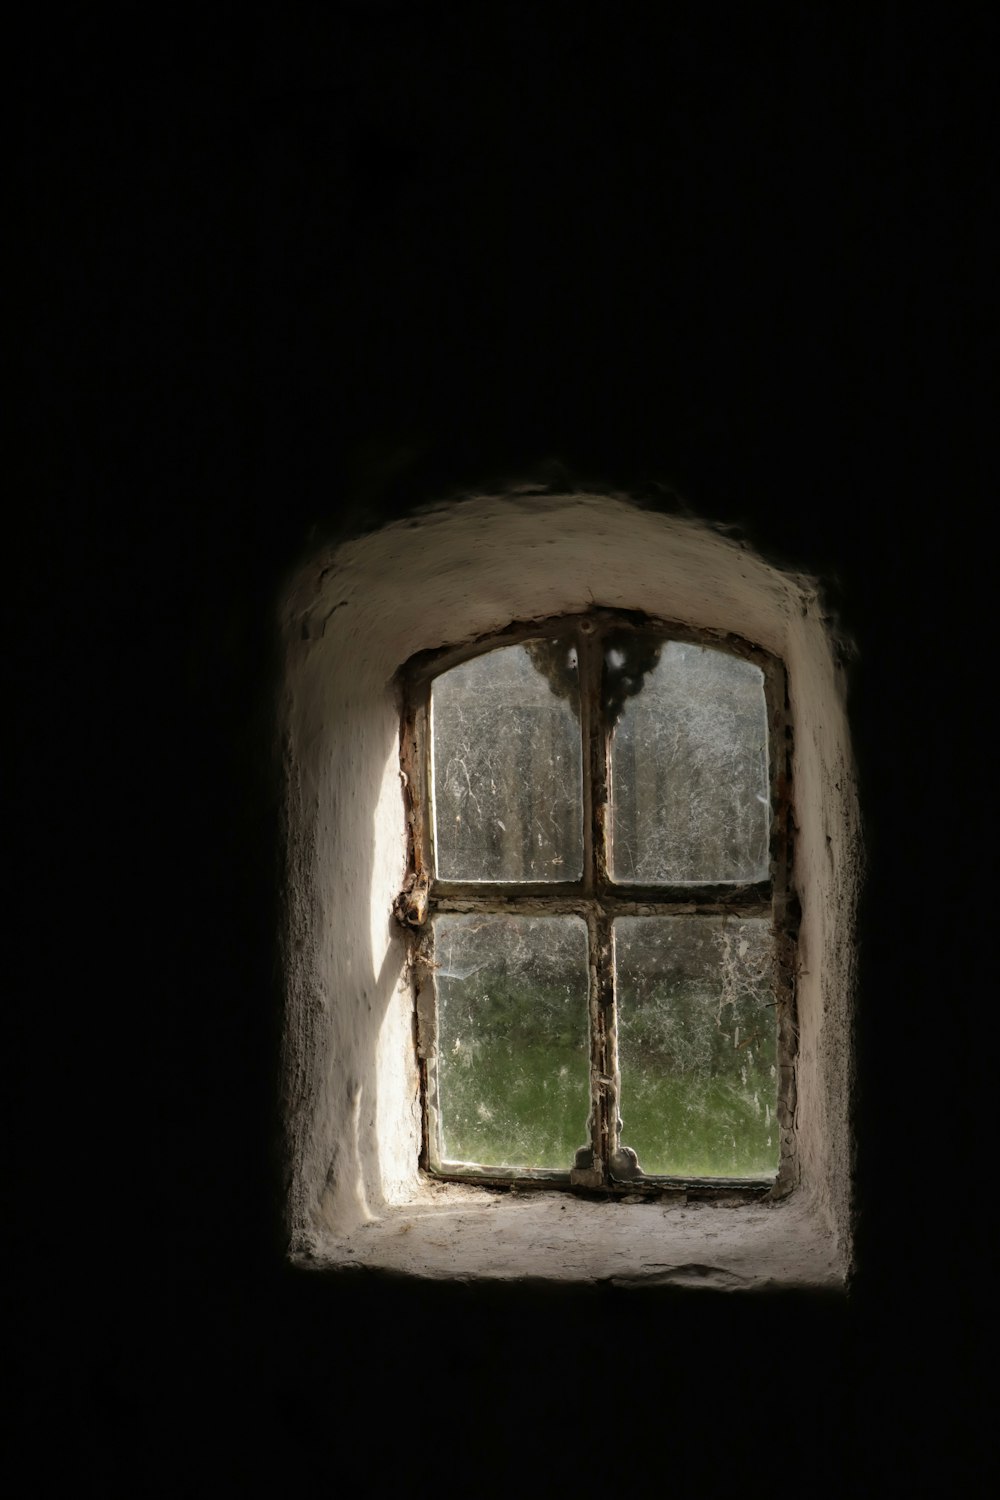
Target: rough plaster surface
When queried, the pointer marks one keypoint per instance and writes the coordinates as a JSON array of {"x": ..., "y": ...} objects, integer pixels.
[
  {"x": 459, "y": 1233},
  {"x": 350, "y": 619}
]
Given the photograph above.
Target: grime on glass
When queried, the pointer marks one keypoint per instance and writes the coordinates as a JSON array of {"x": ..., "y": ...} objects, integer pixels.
[{"x": 598, "y": 897}]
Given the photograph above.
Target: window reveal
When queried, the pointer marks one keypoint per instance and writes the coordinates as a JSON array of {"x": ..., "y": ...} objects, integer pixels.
[{"x": 598, "y": 893}]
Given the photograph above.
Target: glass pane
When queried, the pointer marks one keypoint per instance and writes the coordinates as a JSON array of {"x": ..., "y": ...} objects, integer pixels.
[
  {"x": 506, "y": 766},
  {"x": 697, "y": 1044},
  {"x": 513, "y": 1071},
  {"x": 689, "y": 776}
]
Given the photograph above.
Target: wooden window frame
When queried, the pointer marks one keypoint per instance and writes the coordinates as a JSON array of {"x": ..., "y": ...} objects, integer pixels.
[{"x": 604, "y": 1166}]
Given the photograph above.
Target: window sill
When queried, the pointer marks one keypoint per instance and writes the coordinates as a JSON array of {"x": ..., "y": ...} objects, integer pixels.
[{"x": 452, "y": 1232}]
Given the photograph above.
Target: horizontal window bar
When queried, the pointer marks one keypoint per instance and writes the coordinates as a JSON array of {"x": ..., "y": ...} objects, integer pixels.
[{"x": 455, "y": 897}]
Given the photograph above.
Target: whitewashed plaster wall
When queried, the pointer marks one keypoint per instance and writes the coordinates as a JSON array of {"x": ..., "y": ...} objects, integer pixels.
[{"x": 449, "y": 574}]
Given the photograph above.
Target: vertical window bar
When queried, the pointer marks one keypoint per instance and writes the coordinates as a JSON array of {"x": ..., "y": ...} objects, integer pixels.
[{"x": 603, "y": 1059}]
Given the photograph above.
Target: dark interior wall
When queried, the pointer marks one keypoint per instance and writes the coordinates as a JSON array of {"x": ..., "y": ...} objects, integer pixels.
[{"x": 295, "y": 278}]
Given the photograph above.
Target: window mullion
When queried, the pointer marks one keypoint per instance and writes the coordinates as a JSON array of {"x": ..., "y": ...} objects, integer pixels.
[{"x": 604, "y": 1122}]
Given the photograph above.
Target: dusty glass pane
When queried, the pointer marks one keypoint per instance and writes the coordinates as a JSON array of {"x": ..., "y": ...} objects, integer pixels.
[
  {"x": 513, "y": 1071},
  {"x": 506, "y": 766},
  {"x": 697, "y": 1041},
  {"x": 690, "y": 798}
]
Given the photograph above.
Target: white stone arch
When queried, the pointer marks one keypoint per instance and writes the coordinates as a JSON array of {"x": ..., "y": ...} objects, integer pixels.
[{"x": 451, "y": 573}]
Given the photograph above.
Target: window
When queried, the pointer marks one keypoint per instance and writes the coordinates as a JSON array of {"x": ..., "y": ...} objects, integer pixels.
[
  {"x": 598, "y": 895},
  {"x": 410, "y": 602}
]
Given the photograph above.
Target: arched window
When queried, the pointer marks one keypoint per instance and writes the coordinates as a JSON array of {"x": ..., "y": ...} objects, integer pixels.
[
  {"x": 599, "y": 880},
  {"x": 397, "y": 611}
]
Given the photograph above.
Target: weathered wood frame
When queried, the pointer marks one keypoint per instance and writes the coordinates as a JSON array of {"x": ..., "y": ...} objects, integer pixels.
[{"x": 605, "y": 1164}]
